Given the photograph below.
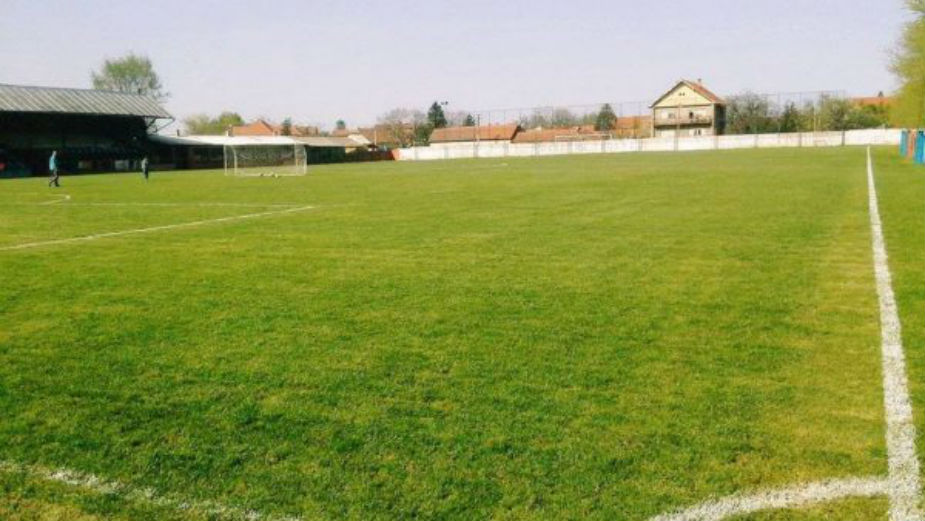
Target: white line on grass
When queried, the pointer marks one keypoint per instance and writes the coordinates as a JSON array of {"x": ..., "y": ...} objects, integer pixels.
[
  {"x": 903, "y": 484},
  {"x": 138, "y": 495},
  {"x": 196, "y": 205},
  {"x": 61, "y": 199},
  {"x": 135, "y": 231},
  {"x": 802, "y": 495},
  {"x": 903, "y": 463}
]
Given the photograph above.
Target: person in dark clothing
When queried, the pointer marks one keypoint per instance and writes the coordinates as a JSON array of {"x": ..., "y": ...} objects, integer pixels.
[{"x": 53, "y": 169}]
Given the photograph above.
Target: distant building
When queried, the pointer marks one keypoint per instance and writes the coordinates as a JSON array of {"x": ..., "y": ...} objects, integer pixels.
[
  {"x": 633, "y": 127},
  {"x": 263, "y": 128},
  {"x": 572, "y": 133},
  {"x": 879, "y": 101},
  {"x": 688, "y": 109},
  {"x": 492, "y": 133}
]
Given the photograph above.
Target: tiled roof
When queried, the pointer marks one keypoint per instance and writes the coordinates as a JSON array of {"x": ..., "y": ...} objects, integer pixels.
[
  {"x": 20, "y": 98},
  {"x": 485, "y": 133},
  {"x": 697, "y": 87},
  {"x": 872, "y": 101}
]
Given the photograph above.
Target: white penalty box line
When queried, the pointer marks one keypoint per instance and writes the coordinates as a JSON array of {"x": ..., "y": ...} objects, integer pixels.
[
  {"x": 902, "y": 485},
  {"x": 151, "y": 229}
]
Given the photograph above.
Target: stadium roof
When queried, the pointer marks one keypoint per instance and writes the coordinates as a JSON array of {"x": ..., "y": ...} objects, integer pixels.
[
  {"x": 52, "y": 100},
  {"x": 319, "y": 141}
]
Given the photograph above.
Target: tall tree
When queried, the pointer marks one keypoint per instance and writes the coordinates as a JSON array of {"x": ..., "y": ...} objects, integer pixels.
[
  {"x": 286, "y": 127},
  {"x": 835, "y": 114},
  {"x": 606, "y": 119},
  {"x": 469, "y": 121},
  {"x": 563, "y": 117},
  {"x": 403, "y": 127},
  {"x": 132, "y": 74},
  {"x": 908, "y": 64},
  {"x": 435, "y": 116},
  {"x": 203, "y": 124},
  {"x": 789, "y": 119},
  {"x": 340, "y": 125},
  {"x": 749, "y": 113}
]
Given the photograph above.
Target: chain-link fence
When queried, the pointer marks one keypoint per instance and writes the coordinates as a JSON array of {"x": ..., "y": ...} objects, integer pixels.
[{"x": 745, "y": 113}]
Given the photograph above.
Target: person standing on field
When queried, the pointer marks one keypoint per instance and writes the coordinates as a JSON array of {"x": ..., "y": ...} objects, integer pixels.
[
  {"x": 144, "y": 167},
  {"x": 53, "y": 168}
]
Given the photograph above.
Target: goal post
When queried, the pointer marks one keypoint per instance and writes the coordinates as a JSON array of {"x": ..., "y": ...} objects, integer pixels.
[{"x": 265, "y": 159}]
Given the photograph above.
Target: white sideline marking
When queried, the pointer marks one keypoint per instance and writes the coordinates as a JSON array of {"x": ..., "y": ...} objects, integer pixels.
[
  {"x": 802, "y": 495},
  {"x": 62, "y": 198},
  {"x": 903, "y": 463},
  {"x": 152, "y": 229},
  {"x": 138, "y": 495},
  {"x": 903, "y": 484}
]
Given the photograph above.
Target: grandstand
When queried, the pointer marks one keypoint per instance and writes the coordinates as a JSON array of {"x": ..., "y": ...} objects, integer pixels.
[{"x": 91, "y": 129}]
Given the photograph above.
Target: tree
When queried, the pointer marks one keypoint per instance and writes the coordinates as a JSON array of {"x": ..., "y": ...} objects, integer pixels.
[
  {"x": 789, "y": 120},
  {"x": 908, "y": 64},
  {"x": 404, "y": 126},
  {"x": 835, "y": 114},
  {"x": 286, "y": 127},
  {"x": 563, "y": 118},
  {"x": 749, "y": 113},
  {"x": 132, "y": 74},
  {"x": 435, "y": 116},
  {"x": 469, "y": 121},
  {"x": 340, "y": 125},
  {"x": 202, "y": 124},
  {"x": 606, "y": 119}
]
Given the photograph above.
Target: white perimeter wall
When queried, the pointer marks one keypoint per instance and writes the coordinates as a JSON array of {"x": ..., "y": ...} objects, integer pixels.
[{"x": 876, "y": 136}]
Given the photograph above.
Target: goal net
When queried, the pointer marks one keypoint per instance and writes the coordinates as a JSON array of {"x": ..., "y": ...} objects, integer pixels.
[{"x": 260, "y": 160}]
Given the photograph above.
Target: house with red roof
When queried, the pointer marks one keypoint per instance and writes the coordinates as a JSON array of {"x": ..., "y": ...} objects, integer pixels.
[{"x": 688, "y": 109}]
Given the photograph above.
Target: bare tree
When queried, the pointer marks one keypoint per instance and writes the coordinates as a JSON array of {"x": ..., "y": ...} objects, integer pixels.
[{"x": 403, "y": 125}]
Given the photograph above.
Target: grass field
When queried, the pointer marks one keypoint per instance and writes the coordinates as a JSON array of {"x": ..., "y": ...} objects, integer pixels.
[{"x": 594, "y": 338}]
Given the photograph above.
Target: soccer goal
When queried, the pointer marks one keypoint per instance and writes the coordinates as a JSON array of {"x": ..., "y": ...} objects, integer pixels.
[{"x": 260, "y": 160}]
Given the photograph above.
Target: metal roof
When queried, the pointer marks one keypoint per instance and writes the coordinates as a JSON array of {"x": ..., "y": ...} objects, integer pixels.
[
  {"x": 20, "y": 98},
  {"x": 319, "y": 141}
]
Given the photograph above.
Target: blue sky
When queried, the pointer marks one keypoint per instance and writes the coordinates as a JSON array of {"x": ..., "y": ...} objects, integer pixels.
[{"x": 318, "y": 61}]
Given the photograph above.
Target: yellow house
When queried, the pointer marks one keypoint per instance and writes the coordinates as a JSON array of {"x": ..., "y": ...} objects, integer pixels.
[{"x": 688, "y": 109}]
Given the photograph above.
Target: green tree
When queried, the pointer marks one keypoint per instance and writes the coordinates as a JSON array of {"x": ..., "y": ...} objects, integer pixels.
[
  {"x": 606, "y": 119},
  {"x": 202, "y": 124},
  {"x": 469, "y": 121},
  {"x": 132, "y": 74},
  {"x": 789, "y": 120},
  {"x": 286, "y": 127},
  {"x": 435, "y": 116},
  {"x": 835, "y": 114},
  {"x": 749, "y": 113},
  {"x": 908, "y": 64},
  {"x": 340, "y": 125}
]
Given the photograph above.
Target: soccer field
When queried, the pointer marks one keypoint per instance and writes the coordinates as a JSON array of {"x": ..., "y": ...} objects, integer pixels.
[{"x": 608, "y": 337}]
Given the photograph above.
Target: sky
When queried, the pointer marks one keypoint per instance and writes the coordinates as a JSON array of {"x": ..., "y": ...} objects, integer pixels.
[{"x": 320, "y": 61}]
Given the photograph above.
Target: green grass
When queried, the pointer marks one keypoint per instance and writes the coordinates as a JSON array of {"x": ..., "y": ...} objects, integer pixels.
[{"x": 595, "y": 338}]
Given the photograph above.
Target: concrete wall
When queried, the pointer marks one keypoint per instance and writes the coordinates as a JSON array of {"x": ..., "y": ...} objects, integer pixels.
[{"x": 614, "y": 146}]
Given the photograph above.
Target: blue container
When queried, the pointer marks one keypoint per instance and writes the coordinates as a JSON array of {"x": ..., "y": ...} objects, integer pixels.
[{"x": 920, "y": 147}]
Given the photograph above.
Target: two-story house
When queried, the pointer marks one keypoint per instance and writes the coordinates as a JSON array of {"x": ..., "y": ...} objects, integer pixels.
[{"x": 688, "y": 109}]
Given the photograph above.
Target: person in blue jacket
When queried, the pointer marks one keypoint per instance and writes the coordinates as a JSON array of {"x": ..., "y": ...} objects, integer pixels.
[{"x": 53, "y": 168}]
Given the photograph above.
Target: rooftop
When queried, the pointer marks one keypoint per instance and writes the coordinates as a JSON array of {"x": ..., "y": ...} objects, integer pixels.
[
  {"x": 54, "y": 100},
  {"x": 485, "y": 133}
]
